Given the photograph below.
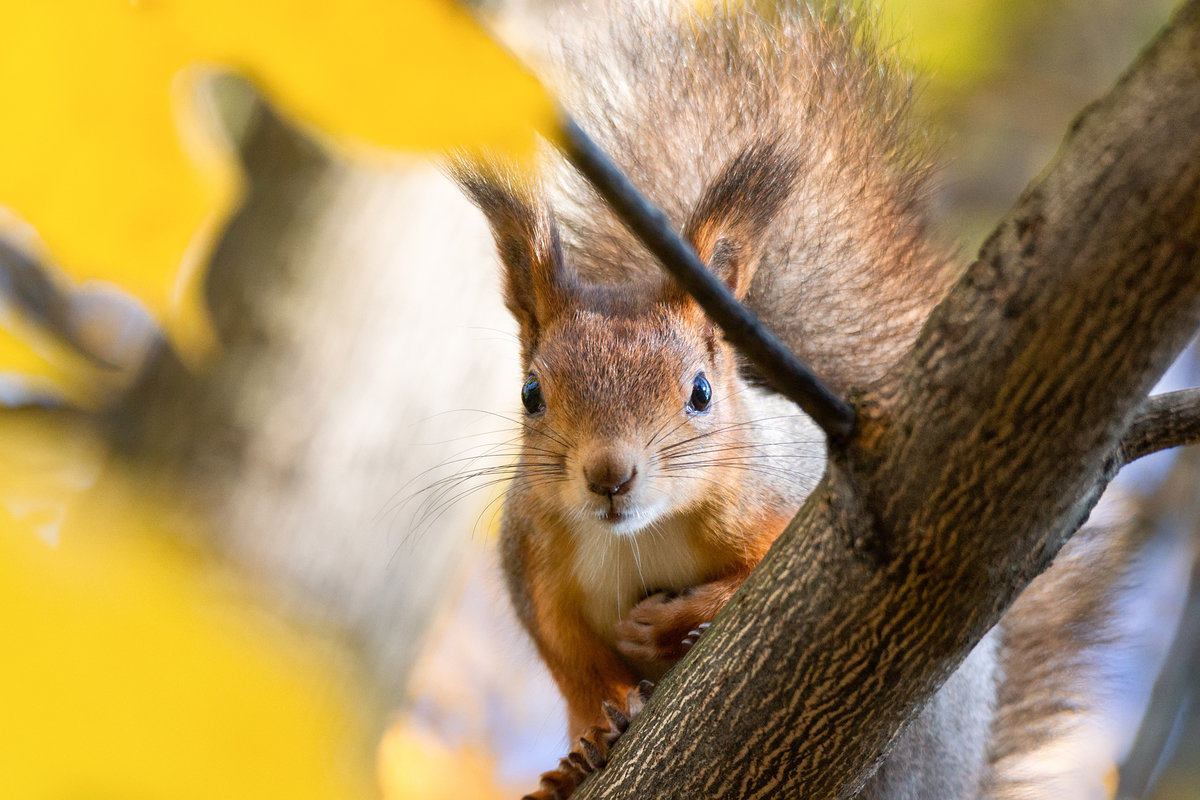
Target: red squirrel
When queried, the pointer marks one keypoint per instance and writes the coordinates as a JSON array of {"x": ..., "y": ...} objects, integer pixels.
[
  {"x": 653, "y": 476},
  {"x": 655, "y": 469}
]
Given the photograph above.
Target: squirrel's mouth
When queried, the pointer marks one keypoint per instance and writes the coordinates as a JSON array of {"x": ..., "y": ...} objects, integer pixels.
[
  {"x": 627, "y": 520},
  {"x": 621, "y": 515},
  {"x": 621, "y": 523}
]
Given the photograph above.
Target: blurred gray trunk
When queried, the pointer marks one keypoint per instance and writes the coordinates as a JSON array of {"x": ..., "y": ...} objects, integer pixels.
[{"x": 341, "y": 336}]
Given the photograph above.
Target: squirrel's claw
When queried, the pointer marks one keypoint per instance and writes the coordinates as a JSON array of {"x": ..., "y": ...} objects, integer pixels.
[
  {"x": 591, "y": 751},
  {"x": 694, "y": 635},
  {"x": 589, "y": 754},
  {"x": 638, "y": 697},
  {"x": 617, "y": 721}
]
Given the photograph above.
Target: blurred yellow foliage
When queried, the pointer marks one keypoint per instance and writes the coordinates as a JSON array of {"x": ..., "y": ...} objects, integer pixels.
[
  {"x": 135, "y": 668},
  {"x": 104, "y": 152},
  {"x": 415, "y": 765},
  {"x": 40, "y": 359},
  {"x": 956, "y": 43}
]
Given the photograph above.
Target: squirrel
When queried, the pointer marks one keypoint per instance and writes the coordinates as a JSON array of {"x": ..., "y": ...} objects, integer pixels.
[{"x": 656, "y": 469}]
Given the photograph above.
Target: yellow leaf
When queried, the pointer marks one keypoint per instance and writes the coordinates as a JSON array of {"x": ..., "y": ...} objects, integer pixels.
[
  {"x": 103, "y": 151},
  {"x": 134, "y": 668}
]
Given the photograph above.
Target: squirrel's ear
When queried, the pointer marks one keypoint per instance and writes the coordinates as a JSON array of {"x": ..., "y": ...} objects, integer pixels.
[
  {"x": 537, "y": 286},
  {"x": 728, "y": 226}
]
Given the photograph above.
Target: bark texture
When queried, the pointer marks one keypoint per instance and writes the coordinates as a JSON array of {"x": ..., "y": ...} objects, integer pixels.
[{"x": 974, "y": 461}]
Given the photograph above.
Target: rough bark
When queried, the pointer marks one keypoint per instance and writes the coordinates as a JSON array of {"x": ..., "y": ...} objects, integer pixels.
[{"x": 975, "y": 460}]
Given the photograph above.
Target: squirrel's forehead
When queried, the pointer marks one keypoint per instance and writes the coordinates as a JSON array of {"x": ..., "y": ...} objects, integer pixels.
[{"x": 650, "y": 345}]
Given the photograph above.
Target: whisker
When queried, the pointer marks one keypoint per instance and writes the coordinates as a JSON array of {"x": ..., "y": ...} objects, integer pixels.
[
  {"x": 762, "y": 470},
  {"x": 637, "y": 561},
  {"x": 524, "y": 424},
  {"x": 743, "y": 448}
]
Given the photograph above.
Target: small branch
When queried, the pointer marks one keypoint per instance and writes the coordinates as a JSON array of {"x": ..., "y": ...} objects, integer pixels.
[
  {"x": 742, "y": 328},
  {"x": 1165, "y": 421}
]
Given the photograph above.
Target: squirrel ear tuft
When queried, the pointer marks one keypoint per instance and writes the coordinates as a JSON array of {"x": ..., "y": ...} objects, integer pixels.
[
  {"x": 537, "y": 286},
  {"x": 728, "y": 226}
]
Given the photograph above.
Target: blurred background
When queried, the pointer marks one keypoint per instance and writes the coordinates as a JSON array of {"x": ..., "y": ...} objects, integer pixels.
[{"x": 296, "y": 589}]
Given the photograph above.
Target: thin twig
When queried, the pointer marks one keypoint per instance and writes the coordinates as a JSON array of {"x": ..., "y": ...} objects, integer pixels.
[
  {"x": 25, "y": 284},
  {"x": 39, "y": 297},
  {"x": 1165, "y": 420},
  {"x": 787, "y": 374}
]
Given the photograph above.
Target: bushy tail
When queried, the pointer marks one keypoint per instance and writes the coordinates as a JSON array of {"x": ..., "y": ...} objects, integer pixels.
[
  {"x": 677, "y": 95},
  {"x": 1064, "y": 656}
]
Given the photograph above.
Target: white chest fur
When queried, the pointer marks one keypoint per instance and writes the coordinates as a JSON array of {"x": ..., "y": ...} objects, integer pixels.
[{"x": 616, "y": 571}]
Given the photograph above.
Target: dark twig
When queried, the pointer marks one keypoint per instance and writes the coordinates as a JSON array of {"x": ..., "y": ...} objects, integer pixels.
[
  {"x": 31, "y": 289},
  {"x": 1165, "y": 420},
  {"x": 744, "y": 331},
  {"x": 35, "y": 293}
]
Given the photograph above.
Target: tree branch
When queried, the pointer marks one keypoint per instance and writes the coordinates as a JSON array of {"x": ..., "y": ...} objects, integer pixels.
[
  {"x": 1165, "y": 421},
  {"x": 974, "y": 461},
  {"x": 788, "y": 374}
]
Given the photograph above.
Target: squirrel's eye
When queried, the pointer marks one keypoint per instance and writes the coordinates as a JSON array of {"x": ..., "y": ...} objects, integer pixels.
[
  {"x": 531, "y": 395},
  {"x": 701, "y": 393}
]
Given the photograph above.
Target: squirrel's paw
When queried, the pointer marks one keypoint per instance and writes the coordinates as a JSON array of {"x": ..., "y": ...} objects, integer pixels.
[
  {"x": 590, "y": 752},
  {"x": 663, "y": 627}
]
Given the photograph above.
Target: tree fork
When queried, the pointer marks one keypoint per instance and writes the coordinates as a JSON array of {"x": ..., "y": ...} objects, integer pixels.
[{"x": 973, "y": 462}]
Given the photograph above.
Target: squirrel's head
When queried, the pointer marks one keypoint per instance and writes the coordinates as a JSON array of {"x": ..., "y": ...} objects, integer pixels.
[{"x": 631, "y": 398}]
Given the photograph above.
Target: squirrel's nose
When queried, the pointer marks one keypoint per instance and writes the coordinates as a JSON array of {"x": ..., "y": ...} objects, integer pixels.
[{"x": 609, "y": 479}]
